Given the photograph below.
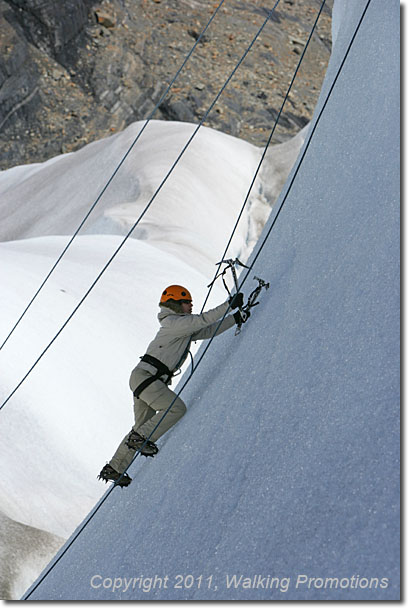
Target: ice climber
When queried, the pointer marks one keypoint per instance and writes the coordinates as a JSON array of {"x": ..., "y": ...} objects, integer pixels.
[{"x": 150, "y": 378}]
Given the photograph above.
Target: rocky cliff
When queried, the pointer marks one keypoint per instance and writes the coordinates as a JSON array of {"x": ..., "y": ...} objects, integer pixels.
[{"x": 75, "y": 71}]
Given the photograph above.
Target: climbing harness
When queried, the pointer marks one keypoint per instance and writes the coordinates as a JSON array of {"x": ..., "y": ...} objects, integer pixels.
[
  {"x": 244, "y": 311},
  {"x": 161, "y": 371}
]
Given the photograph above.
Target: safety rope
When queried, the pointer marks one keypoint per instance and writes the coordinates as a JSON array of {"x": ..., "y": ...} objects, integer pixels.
[
  {"x": 265, "y": 150},
  {"x": 307, "y": 145},
  {"x": 93, "y": 206},
  {"x": 110, "y": 260}
]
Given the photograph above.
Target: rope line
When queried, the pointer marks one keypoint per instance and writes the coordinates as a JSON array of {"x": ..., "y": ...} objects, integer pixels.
[
  {"x": 109, "y": 491},
  {"x": 264, "y": 151},
  {"x": 110, "y": 260},
  {"x": 113, "y": 175}
]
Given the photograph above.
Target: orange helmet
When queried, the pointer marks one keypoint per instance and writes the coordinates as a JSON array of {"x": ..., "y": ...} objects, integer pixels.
[{"x": 176, "y": 293}]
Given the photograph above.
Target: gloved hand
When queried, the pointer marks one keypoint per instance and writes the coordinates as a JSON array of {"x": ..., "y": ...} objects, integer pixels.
[
  {"x": 241, "y": 316},
  {"x": 236, "y": 300}
]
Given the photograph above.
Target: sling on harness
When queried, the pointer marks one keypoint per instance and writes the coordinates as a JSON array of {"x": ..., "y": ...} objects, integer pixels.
[{"x": 162, "y": 370}]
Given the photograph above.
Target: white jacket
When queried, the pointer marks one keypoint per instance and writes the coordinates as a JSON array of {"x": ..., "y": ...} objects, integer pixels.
[{"x": 173, "y": 340}]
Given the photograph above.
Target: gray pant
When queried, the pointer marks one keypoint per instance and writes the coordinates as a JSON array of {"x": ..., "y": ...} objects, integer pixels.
[{"x": 149, "y": 409}]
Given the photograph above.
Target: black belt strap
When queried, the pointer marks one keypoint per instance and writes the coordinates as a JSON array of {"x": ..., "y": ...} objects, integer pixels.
[{"x": 162, "y": 369}]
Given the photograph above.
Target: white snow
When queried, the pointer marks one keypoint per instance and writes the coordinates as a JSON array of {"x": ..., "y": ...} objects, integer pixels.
[
  {"x": 77, "y": 399},
  {"x": 65, "y": 421},
  {"x": 286, "y": 465},
  {"x": 203, "y": 193}
]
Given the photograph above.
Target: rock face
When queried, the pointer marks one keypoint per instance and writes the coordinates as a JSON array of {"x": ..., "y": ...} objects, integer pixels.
[{"x": 75, "y": 71}]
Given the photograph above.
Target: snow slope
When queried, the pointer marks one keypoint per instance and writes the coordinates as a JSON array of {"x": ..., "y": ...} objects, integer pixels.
[
  {"x": 282, "y": 481},
  {"x": 64, "y": 422},
  {"x": 206, "y": 189},
  {"x": 82, "y": 382}
]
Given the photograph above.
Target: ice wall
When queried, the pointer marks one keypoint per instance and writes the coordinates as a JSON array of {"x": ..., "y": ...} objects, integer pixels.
[{"x": 286, "y": 466}]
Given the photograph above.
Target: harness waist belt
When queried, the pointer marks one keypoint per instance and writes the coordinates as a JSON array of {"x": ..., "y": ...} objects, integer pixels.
[{"x": 162, "y": 369}]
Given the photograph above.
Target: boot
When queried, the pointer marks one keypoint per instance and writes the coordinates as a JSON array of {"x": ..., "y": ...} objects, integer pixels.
[
  {"x": 109, "y": 474},
  {"x": 139, "y": 443}
]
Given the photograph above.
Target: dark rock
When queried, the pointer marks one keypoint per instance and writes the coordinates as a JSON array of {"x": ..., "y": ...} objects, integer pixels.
[
  {"x": 19, "y": 79},
  {"x": 177, "y": 111},
  {"x": 271, "y": 115},
  {"x": 299, "y": 120},
  {"x": 104, "y": 18},
  {"x": 48, "y": 24},
  {"x": 67, "y": 79},
  {"x": 196, "y": 34}
]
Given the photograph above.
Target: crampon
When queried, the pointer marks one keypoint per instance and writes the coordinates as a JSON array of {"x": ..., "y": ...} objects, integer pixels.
[{"x": 109, "y": 474}]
